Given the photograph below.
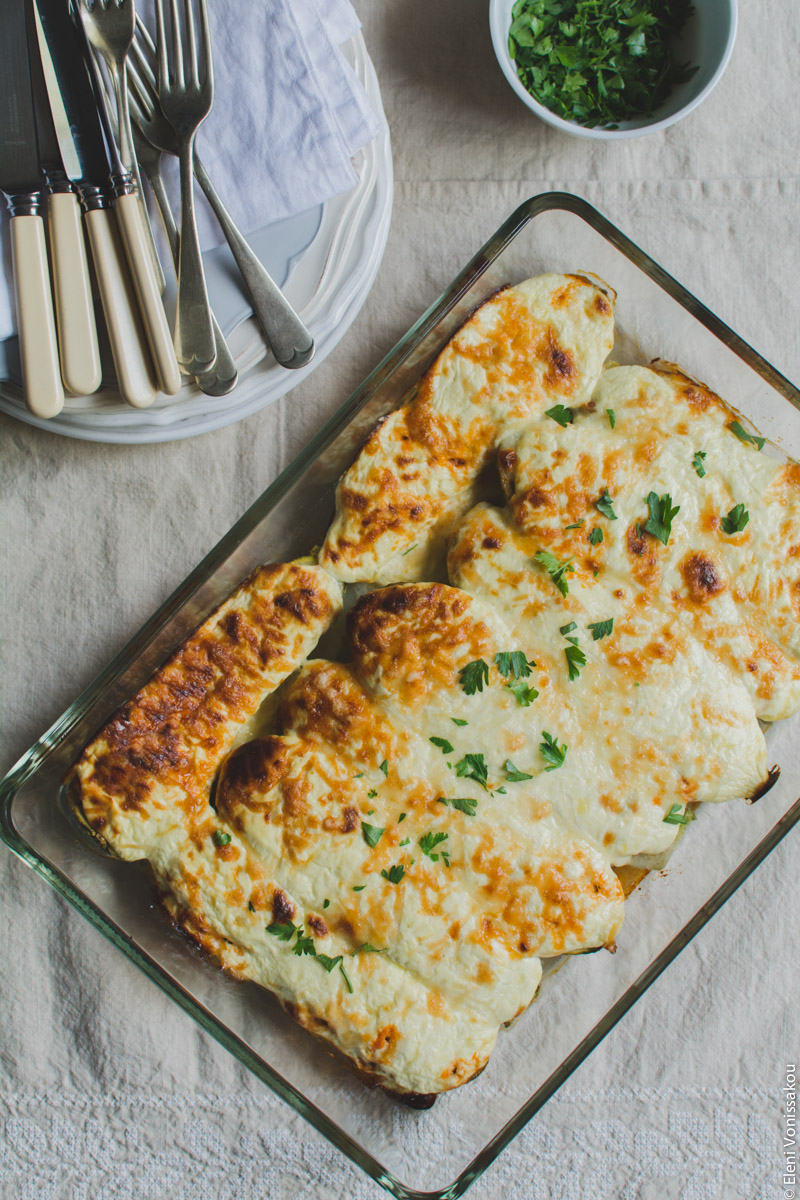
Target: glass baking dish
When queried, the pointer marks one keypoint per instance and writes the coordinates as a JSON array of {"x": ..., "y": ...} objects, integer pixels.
[{"x": 441, "y": 1151}]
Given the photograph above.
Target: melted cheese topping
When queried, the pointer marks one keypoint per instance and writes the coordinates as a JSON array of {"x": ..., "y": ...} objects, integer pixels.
[{"x": 397, "y": 853}]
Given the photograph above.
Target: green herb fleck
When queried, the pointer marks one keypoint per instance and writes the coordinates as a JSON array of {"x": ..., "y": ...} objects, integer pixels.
[
  {"x": 344, "y": 976},
  {"x": 463, "y": 803},
  {"x": 601, "y": 629},
  {"x": 565, "y": 629},
  {"x": 525, "y": 693},
  {"x": 304, "y": 945},
  {"x": 359, "y": 887},
  {"x": 473, "y": 766},
  {"x": 394, "y": 874},
  {"x": 221, "y": 838},
  {"x": 697, "y": 462},
  {"x": 612, "y": 417},
  {"x": 410, "y": 548},
  {"x": 555, "y": 569},
  {"x": 605, "y": 506},
  {"x": 596, "y": 536},
  {"x": 659, "y": 523},
  {"x": 676, "y": 816},
  {"x": 513, "y": 774},
  {"x": 406, "y": 842},
  {"x": 327, "y": 962},
  {"x": 428, "y": 843},
  {"x": 744, "y": 436},
  {"x": 402, "y": 817},
  {"x": 576, "y": 524},
  {"x": 251, "y": 906},
  {"x": 443, "y": 744},
  {"x": 735, "y": 520},
  {"x": 384, "y": 767},
  {"x": 326, "y": 903},
  {"x": 563, "y": 416},
  {"x": 372, "y": 834},
  {"x": 459, "y": 721},
  {"x": 284, "y": 931},
  {"x": 371, "y": 794},
  {"x": 474, "y": 676},
  {"x": 365, "y": 948},
  {"x": 551, "y": 752},
  {"x": 575, "y": 658},
  {"x": 513, "y": 663}
]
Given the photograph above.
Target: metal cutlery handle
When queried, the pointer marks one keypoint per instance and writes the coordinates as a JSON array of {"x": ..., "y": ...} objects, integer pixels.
[
  {"x": 288, "y": 337},
  {"x": 194, "y": 336},
  {"x": 129, "y": 348},
  {"x": 77, "y": 332},
  {"x": 134, "y": 238},
  {"x": 38, "y": 349}
]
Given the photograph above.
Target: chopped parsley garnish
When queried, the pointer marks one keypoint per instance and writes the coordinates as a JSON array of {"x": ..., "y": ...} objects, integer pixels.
[
  {"x": 744, "y": 436},
  {"x": 513, "y": 663},
  {"x": 358, "y": 775},
  {"x": 402, "y": 817},
  {"x": 474, "y": 676},
  {"x": 599, "y": 64},
  {"x": 327, "y": 962},
  {"x": 372, "y": 834},
  {"x": 525, "y": 693},
  {"x": 251, "y": 906},
  {"x": 565, "y": 629},
  {"x": 605, "y": 506},
  {"x": 563, "y": 416},
  {"x": 428, "y": 844},
  {"x": 303, "y": 945},
  {"x": 410, "y": 548},
  {"x": 513, "y": 774},
  {"x": 473, "y": 766},
  {"x": 735, "y": 521},
  {"x": 676, "y": 817},
  {"x": 283, "y": 930},
  {"x": 551, "y": 752},
  {"x": 365, "y": 948},
  {"x": 464, "y": 804},
  {"x": 576, "y": 524},
  {"x": 326, "y": 903},
  {"x": 371, "y": 794},
  {"x": 601, "y": 629},
  {"x": 221, "y": 838},
  {"x": 443, "y": 744},
  {"x": 394, "y": 874},
  {"x": 359, "y": 887},
  {"x": 555, "y": 569},
  {"x": 459, "y": 721},
  {"x": 575, "y": 658},
  {"x": 384, "y": 767},
  {"x": 697, "y": 462},
  {"x": 406, "y": 842},
  {"x": 659, "y": 523},
  {"x": 344, "y": 976},
  {"x": 596, "y": 536},
  {"x": 612, "y": 417}
]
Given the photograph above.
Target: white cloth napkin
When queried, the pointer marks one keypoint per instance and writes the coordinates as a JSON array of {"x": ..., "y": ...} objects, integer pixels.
[{"x": 289, "y": 114}]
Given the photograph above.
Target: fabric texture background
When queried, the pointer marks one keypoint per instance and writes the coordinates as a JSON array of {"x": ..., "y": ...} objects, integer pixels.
[{"x": 108, "y": 1091}]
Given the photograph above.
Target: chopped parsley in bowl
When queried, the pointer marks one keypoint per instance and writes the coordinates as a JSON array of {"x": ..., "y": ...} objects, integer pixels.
[{"x": 612, "y": 68}]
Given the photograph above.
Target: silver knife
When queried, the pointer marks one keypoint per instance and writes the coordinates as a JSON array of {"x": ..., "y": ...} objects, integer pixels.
[{"x": 20, "y": 180}]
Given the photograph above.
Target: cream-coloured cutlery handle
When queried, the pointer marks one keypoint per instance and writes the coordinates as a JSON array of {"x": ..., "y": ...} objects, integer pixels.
[
  {"x": 38, "y": 348},
  {"x": 130, "y": 216},
  {"x": 129, "y": 348},
  {"x": 77, "y": 332}
]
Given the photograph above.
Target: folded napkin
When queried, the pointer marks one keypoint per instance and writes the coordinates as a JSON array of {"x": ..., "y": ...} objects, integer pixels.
[{"x": 289, "y": 114}]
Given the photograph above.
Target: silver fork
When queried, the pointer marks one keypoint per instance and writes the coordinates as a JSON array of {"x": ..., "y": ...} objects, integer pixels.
[
  {"x": 288, "y": 338},
  {"x": 186, "y": 104}
]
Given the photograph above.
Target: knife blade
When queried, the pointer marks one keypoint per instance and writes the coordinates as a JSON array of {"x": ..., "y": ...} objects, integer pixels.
[
  {"x": 19, "y": 179},
  {"x": 78, "y": 349}
]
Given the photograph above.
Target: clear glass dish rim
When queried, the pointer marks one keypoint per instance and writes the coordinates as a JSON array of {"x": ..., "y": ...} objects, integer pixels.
[{"x": 35, "y": 757}]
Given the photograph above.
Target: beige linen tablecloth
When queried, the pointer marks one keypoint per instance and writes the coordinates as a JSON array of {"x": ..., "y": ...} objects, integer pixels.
[{"x": 107, "y": 1090}]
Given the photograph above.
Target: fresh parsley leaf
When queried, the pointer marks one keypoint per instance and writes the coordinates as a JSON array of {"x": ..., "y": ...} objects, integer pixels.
[
  {"x": 358, "y": 775},
  {"x": 410, "y": 548},
  {"x": 385, "y": 768},
  {"x": 372, "y": 834},
  {"x": 283, "y": 930},
  {"x": 525, "y": 694},
  {"x": 612, "y": 417},
  {"x": 251, "y": 906},
  {"x": 221, "y": 838},
  {"x": 605, "y": 506},
  {"x": 326, "y": 903},
  {"x": 555, "y": 569},
  {"x": 304, "y": 945},
  {"x": 596, "y": 536},
  {"x": 402, "y": 817},
  {"x": 327, "y": 962},
  {"x": 744, "y": 436},
  {"x": 473, "y": 766},
  {"x": 676, "y": 817},
  {"x": 443, "y": 744},
  {"x": 365, "y": 948},
  {"x": 474, "y": 676},
  {"x": 659, "y": 523},
  {"x": 551, "y": 752},
  {"x": 563, "y": 416},
  {"x": 513, "y": 774},
  {"x": 565, "y": 629},
  {"x": 601, "y": 629},
  {"x": 359, "y": 887},
  {"x": 371, "y": 794},
  {"x": 344, "y": 976},
  {"x": 575, "y": 524},
  {"x": 575, "y": 658},
  {"x": 513, "y": 663},
  {"x": 459, "y": 721},
  {"x": 464, "y": 804},
  {"x": 406, "y": 842},
  {"x": 394, "y": 874},
  {"x": 429, "y": 842},
  {"x": 735, "y": 520},
  {"x": 697, "y": 462}
]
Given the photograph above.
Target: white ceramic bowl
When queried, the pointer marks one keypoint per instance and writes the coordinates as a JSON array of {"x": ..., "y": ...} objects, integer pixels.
[{"x": 707, "y": 40}]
